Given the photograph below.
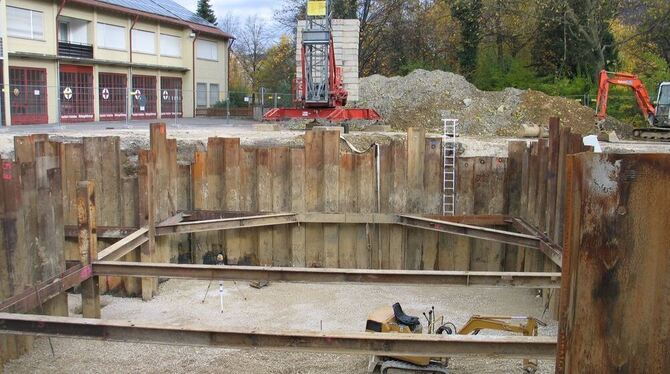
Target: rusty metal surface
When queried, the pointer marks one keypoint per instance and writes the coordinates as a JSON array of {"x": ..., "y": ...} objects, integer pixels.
[
  {"x": 615, "y": 308},
  {"x": 336, "y": 342},
  {"x": 31, "y": 299}
]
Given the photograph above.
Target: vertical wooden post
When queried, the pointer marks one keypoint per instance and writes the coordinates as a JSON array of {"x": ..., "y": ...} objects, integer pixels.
[
  {"x": 146, "y": 205},
  {"x": 513, "y": 199},
  {"x": 432, "y": 199},
  {"x": 298, "y": 205},
  {"x": 397, "y": 203},
  {"x": 331, "y": 165},
  {"x": 416, "y": 149},
  {"x": 365, "y": 189},
  {"x": 281, "y": 202},
  {"x": 88, "y": 247},
  {"x": 248, "y": 203},
  {"x": 348, "y": 196},
  {"x": 314, "y": 256},
  {"x": 231, "y": 185},
  {"x": 264, "y": 170}
]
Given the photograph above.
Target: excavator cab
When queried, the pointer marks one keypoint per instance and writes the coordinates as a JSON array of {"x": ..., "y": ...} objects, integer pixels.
[{"x": 663, "y": 105}]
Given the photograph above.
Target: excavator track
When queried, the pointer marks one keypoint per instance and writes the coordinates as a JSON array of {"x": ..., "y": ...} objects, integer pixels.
[
  {"x": 655, "y": 134},
  {"x": 401, "y": 365}
]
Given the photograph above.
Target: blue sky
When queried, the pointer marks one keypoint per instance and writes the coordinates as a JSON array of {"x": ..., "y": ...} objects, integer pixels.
[{"x": 240, "y": 8}]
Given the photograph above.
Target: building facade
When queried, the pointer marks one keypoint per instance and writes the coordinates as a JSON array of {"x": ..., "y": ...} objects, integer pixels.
[{"x": 87, "y": 60}]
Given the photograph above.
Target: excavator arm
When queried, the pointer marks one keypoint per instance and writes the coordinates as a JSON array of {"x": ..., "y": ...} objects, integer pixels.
[{"x": 627, "y": 80}]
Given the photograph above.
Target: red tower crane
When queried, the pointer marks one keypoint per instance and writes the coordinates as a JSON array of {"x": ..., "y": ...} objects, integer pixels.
[{"x": 320, "y": 92}]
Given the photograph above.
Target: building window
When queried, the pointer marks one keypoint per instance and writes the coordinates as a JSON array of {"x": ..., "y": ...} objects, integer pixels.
[
  {"x": 111, "y": 36},
  {"x": 201, "y": 95},
  {"x": 170, "y": 46},
  {"x": 73, "y": 31},
  {"x": 213, "y": 94},
  {"x": 206, "y": 50},
  {"x": 144, "y": 42},
  {"x": 25, "y": 23}
]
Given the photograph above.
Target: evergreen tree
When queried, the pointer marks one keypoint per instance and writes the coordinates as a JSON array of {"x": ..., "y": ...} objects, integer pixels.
[
  {"x": 468, "y": 13},
  {"x": 205, "y": 11}
]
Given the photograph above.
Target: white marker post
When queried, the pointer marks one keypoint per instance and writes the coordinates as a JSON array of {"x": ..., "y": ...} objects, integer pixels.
[
  {"x": 221, "y": 294},
  {"x": 220, "y": 261}
]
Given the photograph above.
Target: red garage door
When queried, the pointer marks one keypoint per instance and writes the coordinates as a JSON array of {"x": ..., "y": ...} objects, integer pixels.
[
  {"x": 28, "y": 95},
  {"x": 144, "y": 100},
  {"x": 171, "y": 97},
  {"x": 76, "y": 93},
  {"x": 112, "y": 96}
]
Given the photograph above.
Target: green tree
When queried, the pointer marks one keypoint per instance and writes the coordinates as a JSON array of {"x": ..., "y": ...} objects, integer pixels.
[
  {"x": 205, "y": 11},
  {"x": 345, "y": 9},
  {"x": 277, "y": 70},
  {"x": 468, "y": 13}
]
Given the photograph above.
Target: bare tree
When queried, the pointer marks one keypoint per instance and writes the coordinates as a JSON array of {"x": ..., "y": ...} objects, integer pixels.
[
  {"x": 229, "y": 23},
  {"x": 252, "y": 44}
]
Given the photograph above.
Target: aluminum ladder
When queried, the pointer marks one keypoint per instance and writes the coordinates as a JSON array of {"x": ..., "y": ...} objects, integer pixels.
[{"x": 449, "y": 152}]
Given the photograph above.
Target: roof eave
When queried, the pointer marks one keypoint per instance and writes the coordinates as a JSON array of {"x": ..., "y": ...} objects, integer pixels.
[{"x": 211, "y": 31}]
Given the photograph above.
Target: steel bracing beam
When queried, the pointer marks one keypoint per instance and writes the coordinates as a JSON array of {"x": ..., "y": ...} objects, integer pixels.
[
  {"x": 103, "y": 232},
  {"x": 318, "y": 275},
  {"x": 124, "y": 246},
  {"x": 32, "y": 298},
  {"x": 335, "y": 342},
  {"x": 226, "y": 223},
  {"x": 478, "y": 232}
]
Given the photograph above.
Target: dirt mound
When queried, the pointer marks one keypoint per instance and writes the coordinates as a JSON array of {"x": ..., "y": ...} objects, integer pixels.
[{"x": 423, "y": 98}]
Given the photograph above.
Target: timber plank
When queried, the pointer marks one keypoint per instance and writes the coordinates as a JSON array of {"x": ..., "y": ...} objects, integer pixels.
[
  {"x": 348, "y": 197},
  {"x": 248, "y": 202},
  {"x": 314, "y": 256},
  {"x": 231, "y": 184},
  {"x": 264, "y": 170},
  {"x": 298, "y": 205},
  {"x": 432, "y": 200},
  {"x": 331, "y": 165},
  {"x": 281, "y": 203}
]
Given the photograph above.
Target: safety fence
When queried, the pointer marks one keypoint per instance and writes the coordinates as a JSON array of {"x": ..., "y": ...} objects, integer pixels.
[{"x": 33, "y": 102}]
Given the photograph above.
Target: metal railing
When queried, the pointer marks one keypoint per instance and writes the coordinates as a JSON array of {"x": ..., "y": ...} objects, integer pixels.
[{"x": 77, "y": 50}]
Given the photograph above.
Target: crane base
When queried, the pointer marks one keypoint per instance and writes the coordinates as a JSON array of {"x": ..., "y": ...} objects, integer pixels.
[{"x": 337, "y": 114}]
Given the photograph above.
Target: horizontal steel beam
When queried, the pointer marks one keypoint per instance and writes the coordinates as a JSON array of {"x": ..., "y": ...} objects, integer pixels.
[
  {"x": 372, "y": 218},
  {"x": 474, "y": 219},
  {"x": 317, "y": 275},
  {"x": 501, "y": 236},
  {"x": 335, "y": 342},
  {"x": 124, "y": 246},
  {"x": 103, "y": 232},
  {"x": 29, "y": 300},
  {"x": 226, "y": 224}
]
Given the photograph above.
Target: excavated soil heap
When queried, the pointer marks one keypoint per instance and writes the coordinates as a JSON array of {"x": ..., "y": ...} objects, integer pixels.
[{"x": 423, "y": 97}]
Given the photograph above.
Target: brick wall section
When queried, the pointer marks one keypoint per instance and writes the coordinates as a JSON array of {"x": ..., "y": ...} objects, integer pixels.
[{"x": 345, "y": 37}]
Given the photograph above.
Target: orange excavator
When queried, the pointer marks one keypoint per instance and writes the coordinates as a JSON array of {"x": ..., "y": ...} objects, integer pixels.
[{"x": 657, "y": 117}]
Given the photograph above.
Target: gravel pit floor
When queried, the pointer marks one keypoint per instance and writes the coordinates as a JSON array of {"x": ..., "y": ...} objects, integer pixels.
[{"x": 280, "y": 306}]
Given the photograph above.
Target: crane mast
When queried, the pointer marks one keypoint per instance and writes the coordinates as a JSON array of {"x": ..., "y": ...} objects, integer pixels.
[{"x": 319, "y": 91}]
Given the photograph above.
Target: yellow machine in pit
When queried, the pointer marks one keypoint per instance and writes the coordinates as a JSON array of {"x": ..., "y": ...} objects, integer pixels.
[{"x": 394, "y": 320}]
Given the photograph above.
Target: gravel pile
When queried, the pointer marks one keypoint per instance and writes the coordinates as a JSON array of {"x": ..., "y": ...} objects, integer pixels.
[{"x": 423, "y": 97}]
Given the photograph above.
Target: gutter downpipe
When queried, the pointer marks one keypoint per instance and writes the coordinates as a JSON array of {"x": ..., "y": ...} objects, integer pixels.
[
  {"x": 230, "y": 49},
  {"x": 58, "y": 101},
  {"x": 197, "y": 34},
  {"x": 129, "y": 102}
]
